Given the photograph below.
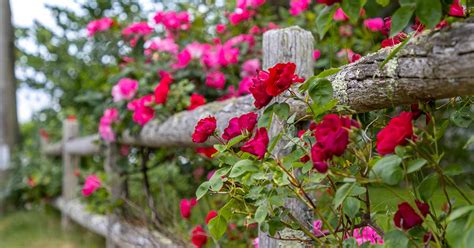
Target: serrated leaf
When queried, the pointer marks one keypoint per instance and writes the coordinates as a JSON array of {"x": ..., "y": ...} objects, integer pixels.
[
  {"x": 388, "y": 169},
  {"x": 416, "y": 165},
  {"x": 217, "y": 226},
  {"x": 242, "y": 167},
  {"x": 202, "y": 190}
]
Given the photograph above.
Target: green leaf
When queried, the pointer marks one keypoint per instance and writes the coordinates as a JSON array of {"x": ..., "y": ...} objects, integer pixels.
[
  {"x": 453, "y": 170},
  {"x": 321, "y": 92},
  {"x": 324, "y": 20},
  {"x": 241, "y": 167},
  {"x": 266, "y": 118},
  {"x": 217, "y": 226},
  {"x": 226, "y": 210},
  {"x": 235, "y": 140},
  {"x": 327, "y": 72},
  {"x": 459, "y": 212},
  {"x": 261, "y": 213},
  {"x": 202, "y": 190},
  {"x": 395, "y": 239},
  {"x": 428, "y": 186},
  {"x": 351, "y": 206},
  {"x": 400, "y": 19},
  {"x": 348, "y": 189},
  {"x": 462, "y": 118},
  {"x": 428, "y": 12},
  {"x": 416, "y": 165},
  {"x": 352, "y": 8},
  {"x": 388, "y": 168},
  {"x": 216, "y": 182},
  {"x": 458, "y": 235},
  {"x": 383, "y": 3},
  {"x": 282, "y": 110}
]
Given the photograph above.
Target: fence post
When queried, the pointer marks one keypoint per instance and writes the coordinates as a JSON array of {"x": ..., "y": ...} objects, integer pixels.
[
  {"x": 70, "y": 163},
  {"x": 116, "y": 186},
  {"x": 295, "y": 45}
]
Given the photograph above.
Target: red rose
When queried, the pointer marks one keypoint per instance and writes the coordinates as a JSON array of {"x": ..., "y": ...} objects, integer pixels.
[
  {"x": 456, "y": 9},
  {"x": 387, "y": 24},
  {"x": 238, "y": 124},
  {"x": 355, "y": 57},
  {"x": 406, "y": 217},
  {"x": 394, "y": 40},
  {"x": 332, "y": 133},
  {"x": 204, "y": 128},
  {"x": 281, "y": 77},
  {"x": 206, "y": 151},
  {"x": 196, "y": 100},
  {"x": 162, "y": 89},
  {"x": 328, "y": 2},
  {"x": 397, "y": 131},
  {"x": 199, "y": 237},
  {"x": 319, "y": 156},
  {"x": 211, "y": 215},
  {"x": 258, "y": 144},
  {"x": 185, "y": 207},
  {"x": 258, "y": 90}
]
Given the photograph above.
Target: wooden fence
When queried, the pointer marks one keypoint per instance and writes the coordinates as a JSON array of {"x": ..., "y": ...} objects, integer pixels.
[{"x": 432, "y": 66}]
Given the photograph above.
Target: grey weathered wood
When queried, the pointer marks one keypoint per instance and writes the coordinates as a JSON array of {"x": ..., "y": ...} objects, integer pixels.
[
  {"x": 295, "y": 45},
  {"x": 124, "y": 234},
  {"x": 54, "y": 149},
  {"x": 87, "y": 145},
  {"x": 70, "y": 163},
  {"x": 8, "y": 115},
  {"x": 116, "y": 185}
]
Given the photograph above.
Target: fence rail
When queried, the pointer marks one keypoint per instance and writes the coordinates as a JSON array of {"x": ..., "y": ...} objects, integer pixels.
[{"x": 432, "y": 66}]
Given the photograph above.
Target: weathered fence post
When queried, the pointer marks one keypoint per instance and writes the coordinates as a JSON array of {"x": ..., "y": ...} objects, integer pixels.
[
  {"x": 116, "y": 187},
  {"x": 295, "y": 45},
  {"x": 70, "y": 163}
]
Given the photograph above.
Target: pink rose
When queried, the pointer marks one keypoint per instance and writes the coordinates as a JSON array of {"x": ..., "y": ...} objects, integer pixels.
[
  {"x": 250, "y": 67},
  {"x": 91, "y": 184},
  {"x": 185, "y": 207},
  {"x": 125, "y": 89},
  {"x": 316, "y": 54},
  {"x": 99, "y": 25},
  {"x": 340, "y": 15},
  {"x": 184, "y": 57},
  {"x": 298, "y": 6},
  {"x": 374, "y": 24},
  {"x": 215, "y": 79}
]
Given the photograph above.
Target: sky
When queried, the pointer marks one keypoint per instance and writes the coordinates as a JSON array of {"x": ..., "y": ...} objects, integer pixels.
[{"x": 24, "y": 12}]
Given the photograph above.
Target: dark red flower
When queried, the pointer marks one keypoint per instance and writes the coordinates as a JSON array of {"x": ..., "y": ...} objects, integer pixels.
[
  {"x": 185, "y": 207},
  {"x": 406, "y": 217},
  {"x": 211, "y": 215},
  {"x": 281, "y": 77},
  {"x": 258, "y": 144},
  {"x": 258, "y": 89},
  {"x": 397, "y": 132},
  {"x": 204, "y": 128},
  {"x": 237, "y": 125},
  {"x": 198, "y": 237},
  {"x": 355, "y": 57},
  {"x": 387, "y": 24},
  {"x": 456, "y": 9},
  {"x": 332, "y": 133},
  {"x": 196, "y": 101},
  {"x": 206, "y": 151},
  {"x": 320, "y": 156},
  {"x": 328, "y": 2}
]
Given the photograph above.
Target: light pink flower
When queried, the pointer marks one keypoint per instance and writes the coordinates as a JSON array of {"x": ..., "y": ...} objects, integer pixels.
[
  {"x": 317, "y": 225},
  {"x": 91, "y": 184},
  {"x": 105, "y": 125},
  {"x": 250, "y": 67},
  {"x": 162, "y": 45},
  {"x": 340, "y": 15},
  {"x": 298, "y": 6},
  {"x": 197, "y": 49},
  {"x": 255, "y": 242},
  {"x": 99, "y": 25},
  {"x": 244, "y": 86},
  {"x": 374, "y": 24},
  {"x": 125, "y": 89},
  {"x": 215, "y": 79}
]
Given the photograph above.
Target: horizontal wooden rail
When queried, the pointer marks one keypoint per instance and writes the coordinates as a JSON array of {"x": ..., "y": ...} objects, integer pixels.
[
  {"x": 434, "y": 65},
  {"x": 121, "y": 233}
]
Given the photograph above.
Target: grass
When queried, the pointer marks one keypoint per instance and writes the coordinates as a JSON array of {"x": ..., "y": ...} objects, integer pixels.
[{"x": 41, "y": 228}]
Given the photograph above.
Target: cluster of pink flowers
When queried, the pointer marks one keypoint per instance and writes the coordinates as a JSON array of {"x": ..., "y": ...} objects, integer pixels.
[
  {"x": 125, "y": 89},
  {"x": 99, "y": 25},
  {"x": 91, "y": 184},
  {"x": 172, "y": 20},
  {"x": 298, "y": 6},
  {"x": 162, "y": 45},
  {"x": 110, "y": 116},
  {"x": 245, "y": 9},
  {"x": 367, "y": 234}
]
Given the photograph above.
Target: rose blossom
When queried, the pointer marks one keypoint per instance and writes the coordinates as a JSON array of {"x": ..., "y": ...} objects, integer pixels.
[
  {"x": 397, "y": 132},
  {"x": 91, "y": 184},
  {"x": 105, "y": 125},
  {"x": 184, "y": 57},
  {"x": 142, "y": 110},
  {"x": 258, "y": 89},
  {"x": 258, "y": 144},
  {"x": 196, "y": 100},
  {"x": 215, "y": 79},
  {"x": 162, "y": 89},
  {"x": 185, "y": 207},
  {"x": 367, "y": 234},
  {"x": 125, "y": 89},
  {"x": 240, "y": 15},
  {"x": 220, "y": 28},
  {"x": 406, "y": 217},
  {"x": 198, "y": 237},
  {"x": 250, "y": 67},
  {"x": 172, "y": 20},
  {"x": 244, "y": 86},
  {"x": 137, "y": 28},
  {"x": 206, "y": 151},
  {"x": 456, "y": 9},
  {"x": 298, "y": 6},
  {"x": 211, "y": 215},
  {"x": 204, "y": 128},
  {"x": 162, "y": 45},
  {"x": 316, "y": 54},
  {"x": 340, "y": 15},
  {"x": 237, "y": 125},
  {"x": 99, "y": 25},
  {"x": 374, "y": 24}
]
